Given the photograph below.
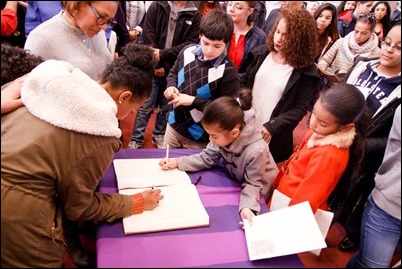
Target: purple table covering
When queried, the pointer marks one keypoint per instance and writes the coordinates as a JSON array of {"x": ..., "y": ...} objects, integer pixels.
[{"x": 222, "y": 244}]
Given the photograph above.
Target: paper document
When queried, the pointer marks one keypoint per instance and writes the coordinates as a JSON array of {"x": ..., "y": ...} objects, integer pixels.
[
  {"x": 282, "y": 232},
  {"x": 145, "y": 173},
  {"x": 180, "y": 208},
  {"x": 323, "y": 218}
]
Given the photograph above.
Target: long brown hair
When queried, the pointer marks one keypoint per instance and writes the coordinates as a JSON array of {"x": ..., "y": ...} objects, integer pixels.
[{"x": 300, "y": 43}]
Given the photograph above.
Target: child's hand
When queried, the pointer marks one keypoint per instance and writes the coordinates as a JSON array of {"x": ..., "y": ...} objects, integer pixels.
[
  {"x": 171, "y": 93},
  {"x": 246, "y": 213},
  {"x": 170, "y": 164},
  {"x": 182, "y": 100}
]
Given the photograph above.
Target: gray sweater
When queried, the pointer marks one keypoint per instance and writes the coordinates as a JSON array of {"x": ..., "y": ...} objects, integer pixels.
[
  {"x": 57, "y": 39},
  {"x": 247, "y": 159},
  {"x": 387, "y": 191}
]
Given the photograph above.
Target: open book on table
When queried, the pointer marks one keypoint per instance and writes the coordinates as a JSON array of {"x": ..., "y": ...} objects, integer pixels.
[
  {"x": 145, "y": 173},
  {"x": 181, "y": 207}
]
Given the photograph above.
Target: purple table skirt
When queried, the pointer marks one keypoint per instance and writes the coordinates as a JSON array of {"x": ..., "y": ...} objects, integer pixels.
[{"x": 222, "y": 244}]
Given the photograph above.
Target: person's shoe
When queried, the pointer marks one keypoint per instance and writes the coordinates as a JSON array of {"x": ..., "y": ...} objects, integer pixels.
[
  {"x": 158, "y": 141},
  {"x": 134, "y": 145},
  {"x": 347, "y": 244}
]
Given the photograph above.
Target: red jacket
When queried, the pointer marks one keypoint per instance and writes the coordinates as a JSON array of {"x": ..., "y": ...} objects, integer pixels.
[
  {"x": 9, "y": 21},
  {"x": 314, "y": 168}
]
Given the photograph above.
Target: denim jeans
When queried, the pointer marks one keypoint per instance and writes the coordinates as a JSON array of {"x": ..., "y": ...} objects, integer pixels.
[
  {"x": 157, "y": 100},
  {"x": 380, "y": 237}
]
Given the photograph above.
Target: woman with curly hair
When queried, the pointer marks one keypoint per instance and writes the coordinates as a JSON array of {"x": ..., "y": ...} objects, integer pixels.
[
  {"x": 327, "y": 28},
  {"x": 284, "y": 79},
  {"x": 15, "y": 62}
]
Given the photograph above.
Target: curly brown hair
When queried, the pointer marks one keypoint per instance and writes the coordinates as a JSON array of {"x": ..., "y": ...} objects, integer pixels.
[
  {"x": 300, "y": 43},
  {"x": 16, "y": 62}
]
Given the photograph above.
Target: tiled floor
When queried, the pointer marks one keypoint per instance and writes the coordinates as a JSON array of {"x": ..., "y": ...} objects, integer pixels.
[{"x": 330, "y": 257}]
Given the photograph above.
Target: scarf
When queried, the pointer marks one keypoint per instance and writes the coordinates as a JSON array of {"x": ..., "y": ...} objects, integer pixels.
[{"x": 350, "y": 48}]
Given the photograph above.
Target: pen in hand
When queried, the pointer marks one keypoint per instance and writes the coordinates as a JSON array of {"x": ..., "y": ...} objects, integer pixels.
[{"x": 167, "y": 153}]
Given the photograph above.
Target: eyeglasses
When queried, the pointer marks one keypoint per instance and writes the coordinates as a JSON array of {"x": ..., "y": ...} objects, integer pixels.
[
  {"x": 236, "y": 6},
  {"x": 101, "y": 20},
  {"x": 395, "y": 49},
  {"x": 369, "y": 16}
]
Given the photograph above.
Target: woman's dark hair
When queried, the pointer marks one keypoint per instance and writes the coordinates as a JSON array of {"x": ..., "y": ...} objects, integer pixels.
[
  {"x": 332, "y": 29},
  {"x": 368, "y": 18},
  {"x": 227, "y": 111},
  {"x": 348, "y": 105},
  {"x": 132, "y": 70},
  {"x": 341, "y": 7},
  {"x": 16, "y": 62},
  {"x": 386, "y": 20},
  {"x": 300, "y": 44},
  {"x": 251, "y": 4}
]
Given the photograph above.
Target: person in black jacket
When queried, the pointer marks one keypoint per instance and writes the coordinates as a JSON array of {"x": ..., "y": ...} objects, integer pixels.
[{"x": 284, "y": 79}]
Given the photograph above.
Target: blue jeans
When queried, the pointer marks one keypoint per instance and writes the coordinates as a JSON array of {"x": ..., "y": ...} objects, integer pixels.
[
  {"x": 380, "y": 237},
  {"x": 155, "y": 99}
]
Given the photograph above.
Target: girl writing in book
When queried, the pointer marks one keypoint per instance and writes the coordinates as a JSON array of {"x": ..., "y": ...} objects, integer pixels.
[
  {"x": 335, "y": 134},
  {"x": 235, "y": 139}
]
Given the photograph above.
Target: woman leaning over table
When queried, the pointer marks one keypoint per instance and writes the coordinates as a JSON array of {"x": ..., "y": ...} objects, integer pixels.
[
  {"x": 76, "y": 35},
  {"x": 56, "y": 148},
  {"x": 284, "y": 79}
]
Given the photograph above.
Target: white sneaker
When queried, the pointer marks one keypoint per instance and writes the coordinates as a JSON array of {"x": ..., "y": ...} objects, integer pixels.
[
  {"x": 134, "y": 145},
  {"x": 158, "y": 141}
]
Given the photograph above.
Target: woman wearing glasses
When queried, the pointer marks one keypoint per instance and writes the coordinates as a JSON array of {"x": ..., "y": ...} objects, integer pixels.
[
  {"x": 246, "y": 36},
  {"x": 361, "y": 42},
  {"x": 76, "y": 35}
]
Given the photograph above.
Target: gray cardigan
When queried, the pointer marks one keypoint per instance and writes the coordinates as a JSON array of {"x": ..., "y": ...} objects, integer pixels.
[{"x": 247, "y": 159}]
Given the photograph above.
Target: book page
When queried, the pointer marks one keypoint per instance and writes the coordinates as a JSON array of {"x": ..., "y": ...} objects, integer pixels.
[
  {"x": 323, "y": 218},
  {"x": 145, "y": 173},
  {"x": 180, "y": 208},
  {"x": 282, "y": 232}
]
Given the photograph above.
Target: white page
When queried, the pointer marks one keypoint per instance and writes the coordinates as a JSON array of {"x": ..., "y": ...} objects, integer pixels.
[
  {"x": 323, "y": 218},
  {"x": 145, "y": 173},
  {"x": 180, "y": 208},
  {"x": 282, "y": 232}
]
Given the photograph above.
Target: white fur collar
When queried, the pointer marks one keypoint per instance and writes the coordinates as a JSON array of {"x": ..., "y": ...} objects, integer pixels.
[
  {"x": 338, "y": 139},
  {"x": 66, "y": 97}
]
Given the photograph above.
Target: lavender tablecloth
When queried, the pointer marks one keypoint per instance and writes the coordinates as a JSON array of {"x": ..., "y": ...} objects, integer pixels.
[{"x": 222, "y": 244}]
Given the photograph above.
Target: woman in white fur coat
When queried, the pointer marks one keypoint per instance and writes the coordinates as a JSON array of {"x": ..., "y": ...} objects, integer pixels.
[{"x": 57, "y": 146}]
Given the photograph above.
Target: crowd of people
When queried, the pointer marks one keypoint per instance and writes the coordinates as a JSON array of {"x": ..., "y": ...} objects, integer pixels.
[{"x": 232, "y": 79}]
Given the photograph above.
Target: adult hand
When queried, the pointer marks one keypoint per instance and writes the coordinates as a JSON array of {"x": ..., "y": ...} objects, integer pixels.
[
  {"x": 152, "y": 198},
  {"x": 265, "y": 134},
  {"x": 159, "y": 72},
  {"x": 11, "y": 96}
]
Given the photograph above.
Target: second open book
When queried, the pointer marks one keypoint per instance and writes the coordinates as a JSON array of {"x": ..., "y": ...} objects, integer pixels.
[{"x": 181, "y": 207}]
